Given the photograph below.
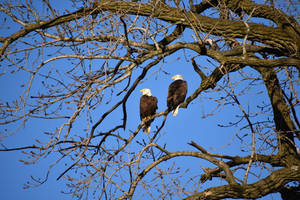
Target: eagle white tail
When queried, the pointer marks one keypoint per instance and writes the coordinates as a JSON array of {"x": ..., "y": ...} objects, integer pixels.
[
  {"x": 147, "y": 129},
  {"x": 175, "y": 112}
]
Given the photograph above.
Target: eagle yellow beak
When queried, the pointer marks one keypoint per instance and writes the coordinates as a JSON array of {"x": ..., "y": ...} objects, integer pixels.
[
  {"x": 173, "y": 77},
  {"x": 142, "y": 90}
]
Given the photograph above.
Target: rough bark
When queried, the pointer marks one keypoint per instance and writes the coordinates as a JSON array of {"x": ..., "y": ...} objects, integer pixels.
[
  {"x": 270, "y": 184},
  {"x": 274, "y": 36},
  {"x": 285, "y": 128}
]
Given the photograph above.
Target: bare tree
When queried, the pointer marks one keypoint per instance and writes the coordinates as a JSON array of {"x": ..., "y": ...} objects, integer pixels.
[{"x": 83, "y": 62}]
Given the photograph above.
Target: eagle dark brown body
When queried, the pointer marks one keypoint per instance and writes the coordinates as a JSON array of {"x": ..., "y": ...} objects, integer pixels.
[
  {"x": 176, "y": 95},
  {"x": 148, "y": 107}
]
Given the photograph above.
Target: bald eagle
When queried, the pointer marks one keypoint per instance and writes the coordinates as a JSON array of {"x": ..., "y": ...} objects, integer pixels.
[
  {"x": 148, "y": 106},
  {"x": 176, "y": 94}
]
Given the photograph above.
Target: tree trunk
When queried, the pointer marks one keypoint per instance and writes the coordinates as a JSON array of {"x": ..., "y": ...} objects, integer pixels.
[{"x": 284, "y": 125}]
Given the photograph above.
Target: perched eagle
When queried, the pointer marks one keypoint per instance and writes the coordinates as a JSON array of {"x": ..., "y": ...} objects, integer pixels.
[
  {"x": 176, "y": 94},
  {"x": 148, "y": 106}
]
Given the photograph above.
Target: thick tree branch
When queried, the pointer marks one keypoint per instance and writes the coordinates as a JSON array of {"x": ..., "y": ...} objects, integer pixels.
[
  {"x": 273, "y": 36},
  {"x": 283, "y": 122},
  {"x": 260, "y": 10},
  {"x": 270, "y": 184},
  {"x": 235, "y": 29}
]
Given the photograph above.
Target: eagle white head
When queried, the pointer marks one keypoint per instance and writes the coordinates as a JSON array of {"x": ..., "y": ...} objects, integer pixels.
[
  {"x": 177, "y": 77},
  {"x": 146, "y": 91}
]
